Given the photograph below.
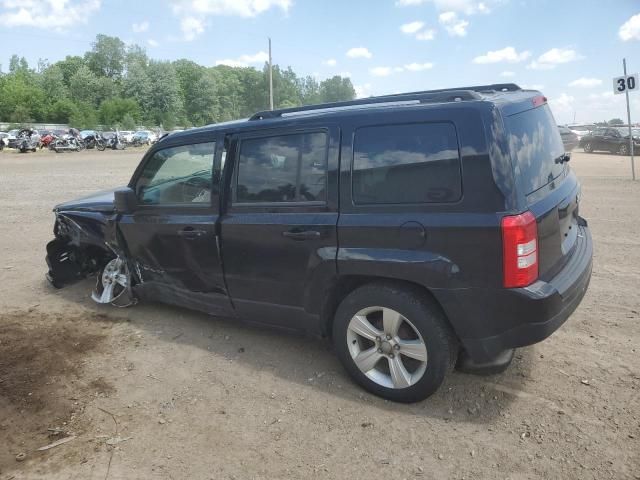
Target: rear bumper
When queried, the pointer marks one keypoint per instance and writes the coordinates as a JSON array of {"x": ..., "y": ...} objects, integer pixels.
[{"x": 510, "y": 318}]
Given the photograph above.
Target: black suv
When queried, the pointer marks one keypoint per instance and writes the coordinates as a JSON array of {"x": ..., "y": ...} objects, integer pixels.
[
  {"x": 610, "y": 139},
  {"x": 415, "y": 230}
]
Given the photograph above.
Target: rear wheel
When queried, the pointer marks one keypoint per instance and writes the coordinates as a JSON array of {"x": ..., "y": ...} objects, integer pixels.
[
  {"x": 623, "y": 150},
  {"x": 588, "y": 148},
  {"x": 394, "y": 341}
]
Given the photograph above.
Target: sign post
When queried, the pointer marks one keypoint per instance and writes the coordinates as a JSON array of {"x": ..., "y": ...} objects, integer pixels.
[{"x": 626, "y": 84}]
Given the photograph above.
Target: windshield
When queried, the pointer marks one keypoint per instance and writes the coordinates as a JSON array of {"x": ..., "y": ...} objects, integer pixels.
[{"x": 535, "y": 145}]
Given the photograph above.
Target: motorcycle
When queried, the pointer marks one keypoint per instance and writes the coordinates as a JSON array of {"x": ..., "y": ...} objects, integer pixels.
[
  {"x": 95, "y": 141},
  {"x": 27, "y": 140},
  {"x": 68, "y": 142},
  {"x": 47, "y": 141}
]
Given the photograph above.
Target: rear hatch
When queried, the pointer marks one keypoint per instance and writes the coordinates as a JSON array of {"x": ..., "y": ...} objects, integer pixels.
[{"x": 552, "y": 191}]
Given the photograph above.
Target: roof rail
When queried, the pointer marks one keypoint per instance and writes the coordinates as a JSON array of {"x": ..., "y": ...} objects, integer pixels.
[{"x": 427, "y": 96}]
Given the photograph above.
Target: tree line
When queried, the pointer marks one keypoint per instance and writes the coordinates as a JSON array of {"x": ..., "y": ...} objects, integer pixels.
[{"x": 115, "y": 85}]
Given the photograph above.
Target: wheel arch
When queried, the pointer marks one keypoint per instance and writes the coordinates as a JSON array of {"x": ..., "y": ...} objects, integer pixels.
[{"x": 345, "y": 284}]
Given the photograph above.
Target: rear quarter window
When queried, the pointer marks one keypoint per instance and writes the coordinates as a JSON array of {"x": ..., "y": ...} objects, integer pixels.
[
  {"x": 409, "y": 163},
  {"x": 535, "y": 144}
]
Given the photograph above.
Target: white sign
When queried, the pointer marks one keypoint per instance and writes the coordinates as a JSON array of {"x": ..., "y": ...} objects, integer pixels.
[{"x": 629, "y": 84}]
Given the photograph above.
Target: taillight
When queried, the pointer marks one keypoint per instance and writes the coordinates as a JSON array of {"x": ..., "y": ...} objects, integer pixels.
[{"x": 520, "y": 250}]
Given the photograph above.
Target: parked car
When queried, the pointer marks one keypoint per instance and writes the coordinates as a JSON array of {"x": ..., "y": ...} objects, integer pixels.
[
  {"x": 144, "y": 137},
  {"x": 569, "y": 138},
  {"x": 393, "y": 225},
  {"x": 127, "y": 136},
  {"x": 581, "y": 129},
  {"x": 609, "y": 139}
]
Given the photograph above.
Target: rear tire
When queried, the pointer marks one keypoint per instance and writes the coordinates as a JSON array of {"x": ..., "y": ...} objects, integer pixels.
[
  {"x": 588, "y": 148},
  {"x": 422, "y": 325},
  {"x": 623, "y": 150}
]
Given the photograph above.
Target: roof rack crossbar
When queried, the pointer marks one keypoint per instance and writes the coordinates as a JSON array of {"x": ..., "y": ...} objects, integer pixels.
[{"x": 427, "y": 96}]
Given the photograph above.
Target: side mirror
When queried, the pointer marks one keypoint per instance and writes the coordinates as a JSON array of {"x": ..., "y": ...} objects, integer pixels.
[{"x": 125, "y": 200}]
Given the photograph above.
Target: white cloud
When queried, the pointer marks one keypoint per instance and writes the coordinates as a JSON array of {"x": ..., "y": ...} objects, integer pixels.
[
  {"x": 363, "y": 91},
  {"x": 47, "y": 14},
  {"x": 359, "y": 52},
  {"x": 508, "y": 74},
  {"x": 191, "y": 27},
  {"x": 562, "y": 104},
  {"x": 418, "y": 67},
  {"x": 428, "y": 34},
  {"x": 236, "y": 8},
  {"x": 630, "y": 30},
  {"x": 533, "y": 86},
  {"x": 140, "y": 27},
  {"x": 554, "y": 57},
  {"x": 455, "y": 26},
  {"x": 381, "y": 71},
  {"x": 245, "y": 60},
  {"x": 330, "y": 62},
  {"x": 467, "y": 7},
  {"x": 411, "y": 28},
  {"x": 153, "y": 43},
  {"x": 194, "y": 13},
  {"x": 507, "y": 54},
  {"x": 586, "y": 82}
]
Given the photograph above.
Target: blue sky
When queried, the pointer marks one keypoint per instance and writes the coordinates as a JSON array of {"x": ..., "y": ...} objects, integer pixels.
[{"x": 569, "y": 49}]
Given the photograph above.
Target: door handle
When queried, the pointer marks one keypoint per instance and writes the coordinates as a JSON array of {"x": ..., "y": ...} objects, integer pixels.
[
  {"x": 301, "y": 234},
  {"x": 190, "y": 233}
]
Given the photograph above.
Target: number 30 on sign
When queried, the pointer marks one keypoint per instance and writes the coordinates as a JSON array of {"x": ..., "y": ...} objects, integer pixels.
[{"x": 626, "y": 84}]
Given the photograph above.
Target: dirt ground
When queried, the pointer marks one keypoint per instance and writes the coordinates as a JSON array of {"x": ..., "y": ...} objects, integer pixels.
[{"x": 160, "y": 392}]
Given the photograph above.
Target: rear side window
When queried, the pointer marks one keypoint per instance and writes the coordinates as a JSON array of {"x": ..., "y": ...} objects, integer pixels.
[
  {"x": 411, "y": 163},
  {"x": 284, "y": 168},
  {"x": 535, "y": 145}
]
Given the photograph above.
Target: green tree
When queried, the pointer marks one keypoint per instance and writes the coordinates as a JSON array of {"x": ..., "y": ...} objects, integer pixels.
[
  {"x": 107, "y": 57},
  {"x": 309, "y": 89},
  {"x": 616, "y": 121},
  {"x": 18, "y": 64},
  {"x": 337, "y": 89},
  {"x": 63, "y": 111},
  {"x": 113, "y": 111},
  {"x": 84, "y": 117},
  {"x": 128, "y": 122},
  {"x": 164, "y": 103},
  {"x": 52, "y": 83},
  {"x": 69, "y": 66},
  {"x": 84, "y": 86},
  {"x": 199, "y": 93},
  {"x": 21, "y": 99}
]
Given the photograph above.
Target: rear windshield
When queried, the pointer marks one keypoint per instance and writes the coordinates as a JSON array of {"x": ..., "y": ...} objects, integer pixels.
[{"x": 535, "y": 145}]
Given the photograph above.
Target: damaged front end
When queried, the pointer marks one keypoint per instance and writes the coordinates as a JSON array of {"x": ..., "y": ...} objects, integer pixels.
[{"x": 86, "y": 244}]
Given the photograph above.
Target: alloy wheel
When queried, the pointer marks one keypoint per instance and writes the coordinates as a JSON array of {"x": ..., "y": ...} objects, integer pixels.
[{"x": 387, "y": 347}]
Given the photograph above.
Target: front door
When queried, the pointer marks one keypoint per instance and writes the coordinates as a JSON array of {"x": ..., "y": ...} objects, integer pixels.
[
  {"x": 171, "y": 236},
  {"x": 279, "y": 234}
]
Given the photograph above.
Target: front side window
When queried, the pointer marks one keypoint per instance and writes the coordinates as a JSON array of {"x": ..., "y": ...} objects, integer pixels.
[
  {"x": 284, "y": 168},
  {"x": 178, "y": 175},
  {"x": 414, "y": 163}
]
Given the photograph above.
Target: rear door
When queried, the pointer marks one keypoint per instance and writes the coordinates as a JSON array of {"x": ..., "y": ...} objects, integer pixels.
[
  {"x": 279, "y": 228},
  {"x": 551, "y": 190}
]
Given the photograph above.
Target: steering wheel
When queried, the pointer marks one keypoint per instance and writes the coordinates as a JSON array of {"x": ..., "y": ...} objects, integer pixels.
[{"x": 195, "y": 188}]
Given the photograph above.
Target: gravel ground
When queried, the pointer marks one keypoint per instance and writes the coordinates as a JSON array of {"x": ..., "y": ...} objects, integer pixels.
[{"x": 160, "y": 392}]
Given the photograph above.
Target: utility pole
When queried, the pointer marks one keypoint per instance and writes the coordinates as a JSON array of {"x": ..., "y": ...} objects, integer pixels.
[
  {"x": 270, "y": 78},
  {"x": 626, "y": 92}
]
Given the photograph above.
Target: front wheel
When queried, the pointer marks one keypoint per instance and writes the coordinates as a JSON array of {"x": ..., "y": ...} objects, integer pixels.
[
  {"x": 588, "y": 148},
  {"x": 101, "y": 147},
  {"x": 623, "y": 150},
  {"x": 394, "y": 341}
]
